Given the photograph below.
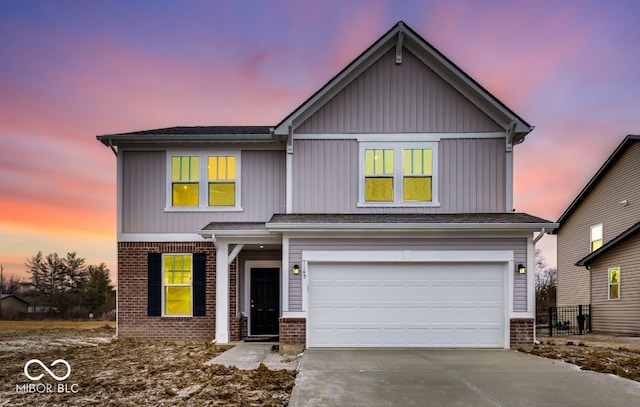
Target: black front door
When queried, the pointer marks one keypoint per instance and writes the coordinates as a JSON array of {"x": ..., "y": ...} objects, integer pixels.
[{"x": 265, "y": 301}]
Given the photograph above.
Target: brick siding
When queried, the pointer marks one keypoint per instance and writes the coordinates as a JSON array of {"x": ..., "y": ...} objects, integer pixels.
[
  {"x": 293, "y": 334},
  {"x": 234, "y": 322},
  {"x": 133, "y": 321},
  {"x": 521, "y": 331},
  {"x": 244, "y": 327}
]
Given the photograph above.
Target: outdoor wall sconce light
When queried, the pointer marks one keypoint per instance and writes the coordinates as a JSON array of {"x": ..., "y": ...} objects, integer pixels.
[
  {"x": 295, "y": 270},
  {"x": 522, "y": 269}
]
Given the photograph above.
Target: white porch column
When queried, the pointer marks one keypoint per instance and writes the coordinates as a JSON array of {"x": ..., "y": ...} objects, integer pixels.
[{"x": 222, "y": 293}]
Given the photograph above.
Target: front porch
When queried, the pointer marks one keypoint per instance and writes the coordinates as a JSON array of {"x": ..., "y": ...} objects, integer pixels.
[{"x": 250, "y": 282}]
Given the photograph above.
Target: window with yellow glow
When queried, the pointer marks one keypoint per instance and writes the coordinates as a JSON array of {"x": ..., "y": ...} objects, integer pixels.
[
  {"x": 614, "y": 283},
  {"x": 379, "y": 171},
  {"x": 177, "y": 272},
  {"x": 221, "y": 172},
  {"x": 417, "y": 167},
  {"x": 398, "y": 174},
  {"x": 596, "y": 237},
  {"x": 203, "y": 181},
  {"x": 185, "y": 177}
]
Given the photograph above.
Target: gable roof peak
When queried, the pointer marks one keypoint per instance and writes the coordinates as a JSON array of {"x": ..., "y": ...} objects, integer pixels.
[
  {"x": 610, "y": 161},
  {"x": 402, "y": 35}
]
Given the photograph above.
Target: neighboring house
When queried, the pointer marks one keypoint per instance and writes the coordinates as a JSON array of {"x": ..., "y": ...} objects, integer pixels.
[
  {"x": 11, "y": 306},
  {"x": 378, "y": 213},
  {"x": 599, "y": 244}
]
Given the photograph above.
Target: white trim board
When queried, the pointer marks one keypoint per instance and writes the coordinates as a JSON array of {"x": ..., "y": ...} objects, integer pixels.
[
  {"x": 402, "y": 227},
  {"x": 397, "y": 137},
  {"x": 285, "y": 275},
  {"x": 160, "y": 237},
  {"x": 248, "y": 265},
  {"x": 415, "y": 256},
  {"x": 409, "y": 234}
]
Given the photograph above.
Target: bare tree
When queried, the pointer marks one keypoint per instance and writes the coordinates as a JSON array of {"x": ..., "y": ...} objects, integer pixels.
[
  {"x": 9, "y": 285},
  {"x": 34, "y": 267},
  {"x": 546, "y": 280},
  {"x": 1, "y": 285}
]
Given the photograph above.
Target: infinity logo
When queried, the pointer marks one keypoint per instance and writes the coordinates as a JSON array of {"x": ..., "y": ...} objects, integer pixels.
[{"x": 55, "y": 362}]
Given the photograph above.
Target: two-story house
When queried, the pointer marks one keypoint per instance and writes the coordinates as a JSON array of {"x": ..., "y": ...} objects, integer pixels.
[
  {"x": 599, "y": 244},
  {"x": 377, "y": 214}
]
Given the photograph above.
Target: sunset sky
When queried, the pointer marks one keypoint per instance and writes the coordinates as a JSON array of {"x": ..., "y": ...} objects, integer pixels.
[{"x": 70, "y": 70}]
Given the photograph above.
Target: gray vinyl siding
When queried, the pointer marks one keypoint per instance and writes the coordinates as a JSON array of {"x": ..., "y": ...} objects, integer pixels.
[
  {"x": 471, "y": 177},
  {"x": 619, "y": 317},
  {"x": 601, "y": 205},
  {"x": 145, "y": 186},
  {"x": 395, "y": 98},
  {"x": 517, "y": 245}
]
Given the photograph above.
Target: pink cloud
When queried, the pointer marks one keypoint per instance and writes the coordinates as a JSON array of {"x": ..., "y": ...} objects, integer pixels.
[
  {"x": 58, "y": 220},
  {"x": 550, "y": 171}
]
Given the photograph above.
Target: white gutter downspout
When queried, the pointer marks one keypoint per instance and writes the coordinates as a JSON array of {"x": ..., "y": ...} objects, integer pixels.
[
  {"x": 289, "y": 171},
  {"x": 543, "y": 231}
]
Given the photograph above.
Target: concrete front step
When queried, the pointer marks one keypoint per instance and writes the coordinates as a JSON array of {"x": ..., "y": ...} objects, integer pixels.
[{"x": 243, "y": 355}]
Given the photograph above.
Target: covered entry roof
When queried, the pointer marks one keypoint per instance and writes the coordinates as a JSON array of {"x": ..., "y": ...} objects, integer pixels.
[{"x": 409, "y": 221}]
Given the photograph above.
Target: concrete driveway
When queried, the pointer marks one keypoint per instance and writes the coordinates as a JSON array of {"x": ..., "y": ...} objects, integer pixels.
[{"x": 451, "y": 378}]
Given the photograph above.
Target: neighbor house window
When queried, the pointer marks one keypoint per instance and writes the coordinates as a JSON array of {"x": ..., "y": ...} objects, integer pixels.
[
  {"x": 398, "y": 174},
  {"x": 204, "y": 181},
  {"x": 596, "y": 237},
  {"x": 614, "y": 283},
  {"x": 177, "y": 271}
]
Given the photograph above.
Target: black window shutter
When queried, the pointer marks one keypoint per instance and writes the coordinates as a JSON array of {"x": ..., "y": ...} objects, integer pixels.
[
  {"x": 154, "y": 284},
  {"x": 199, "y": 284}
]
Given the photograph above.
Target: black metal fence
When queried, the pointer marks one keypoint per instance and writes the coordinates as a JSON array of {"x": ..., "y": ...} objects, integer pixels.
[{"x": 563, "y": 321}]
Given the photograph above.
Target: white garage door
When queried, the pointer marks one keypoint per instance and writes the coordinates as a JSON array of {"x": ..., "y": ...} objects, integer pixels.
[{"x": 406, "y": 305}]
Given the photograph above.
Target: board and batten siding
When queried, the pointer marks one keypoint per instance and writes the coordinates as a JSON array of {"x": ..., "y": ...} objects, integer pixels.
[
  {"x": 471, "y": 177},
  {"x": 145, "y": 186},
  {"x": 601, "y": 205},
  {"x": 517, "y": 245},
  {"x": 619, "y": 317},
  {"x": 397, "y": 98}
]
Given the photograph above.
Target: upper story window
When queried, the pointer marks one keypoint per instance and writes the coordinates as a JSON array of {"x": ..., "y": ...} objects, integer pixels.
[
  {"x": 378, "y": 175},
  {"x": 204, "y": 181},
  {"x": 596, "y": 237},
  {"x": 185, "y": 177},
  {"x": 398, "y": 174},
  {"x": 614, "y": 283},
  {"x": 222, "y": 180}
]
